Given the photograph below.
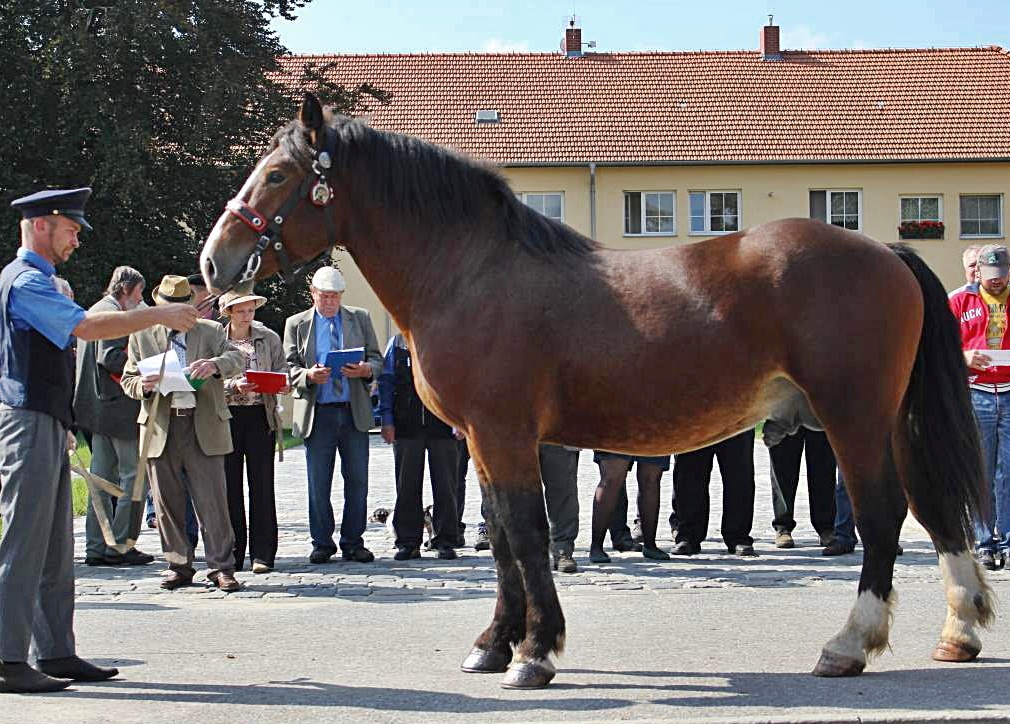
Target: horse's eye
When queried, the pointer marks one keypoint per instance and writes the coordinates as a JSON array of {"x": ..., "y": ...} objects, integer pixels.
[{"x": 275, "y": 177}]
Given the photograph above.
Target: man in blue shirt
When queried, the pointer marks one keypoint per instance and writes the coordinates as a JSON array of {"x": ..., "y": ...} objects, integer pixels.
[
  {"x": 37, "y": 327},
  {"x": 332, "y": 410}
]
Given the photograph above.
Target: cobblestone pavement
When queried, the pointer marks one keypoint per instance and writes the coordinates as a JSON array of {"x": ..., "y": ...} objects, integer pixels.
[{"x": 473, "y": 574}]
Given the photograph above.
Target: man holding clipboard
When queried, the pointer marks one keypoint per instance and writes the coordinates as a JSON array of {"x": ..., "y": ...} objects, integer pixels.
[
  {"x": 981, "y": 310},
  {"x": 332, "y": 409}
]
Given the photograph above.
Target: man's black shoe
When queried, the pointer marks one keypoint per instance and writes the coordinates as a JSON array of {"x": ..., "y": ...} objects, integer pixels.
[
  {"x": 406, "y": 553},
  {"x": 321, "y": 556},
  {"x": 95, "y": 561},
  {"x": 447, "y": 553},
  {"x": 358, "y": 555},
  {"x": 564, "y": 562},
  {"x": 20, "y": 678},
  {"x": 76, "y": 669},
  {"x": 132, "y": 557},
  {"x": 838, "y": 548},
  {"x": 743, "y": 550},
  {"x": 685, "y": 548},
  {"x": 624, "y": 545},
  {"x": 483, "y": 541}
]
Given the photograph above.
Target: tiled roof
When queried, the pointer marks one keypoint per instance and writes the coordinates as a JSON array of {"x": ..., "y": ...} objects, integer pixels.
[{"x": 693, "y": 107}]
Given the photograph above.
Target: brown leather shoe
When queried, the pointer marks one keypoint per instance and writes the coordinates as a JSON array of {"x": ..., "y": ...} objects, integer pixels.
[
  {"x": 175, "y": 580},
  {"x": 225, "y": 580}
]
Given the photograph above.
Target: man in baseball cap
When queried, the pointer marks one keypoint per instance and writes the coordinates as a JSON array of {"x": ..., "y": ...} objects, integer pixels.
[
  {"x": 981, "y": 311},
  {"x": 993, "y": 262}
]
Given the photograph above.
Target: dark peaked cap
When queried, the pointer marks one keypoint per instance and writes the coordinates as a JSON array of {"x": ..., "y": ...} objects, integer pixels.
[{"x": 55, "y": 202}]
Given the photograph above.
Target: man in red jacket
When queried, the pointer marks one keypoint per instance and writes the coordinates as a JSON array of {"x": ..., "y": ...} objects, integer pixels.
[{"x": 981, "y": 310}]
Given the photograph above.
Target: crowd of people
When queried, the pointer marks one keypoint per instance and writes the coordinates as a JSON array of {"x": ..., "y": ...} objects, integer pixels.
[{"x": 209, "y": 444}]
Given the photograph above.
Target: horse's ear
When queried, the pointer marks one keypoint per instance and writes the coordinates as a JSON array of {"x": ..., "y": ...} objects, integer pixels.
[{"x": 311, "y": 115}]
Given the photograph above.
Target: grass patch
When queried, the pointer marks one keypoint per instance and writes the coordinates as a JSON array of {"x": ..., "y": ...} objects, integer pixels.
[{"x": 79, "y": 489}]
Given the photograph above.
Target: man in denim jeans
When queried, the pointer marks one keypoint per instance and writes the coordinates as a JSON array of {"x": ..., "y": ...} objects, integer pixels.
[
  {"x": 980, "y": 308},
  {"x": 332, "y": 410}
]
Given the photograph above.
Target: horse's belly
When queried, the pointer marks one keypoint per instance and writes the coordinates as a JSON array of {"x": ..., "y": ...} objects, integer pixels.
[{"x": 682, "y": 429}]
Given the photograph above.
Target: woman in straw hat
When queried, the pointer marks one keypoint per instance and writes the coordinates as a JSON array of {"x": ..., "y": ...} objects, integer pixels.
[{"x": 255, "y": 424}]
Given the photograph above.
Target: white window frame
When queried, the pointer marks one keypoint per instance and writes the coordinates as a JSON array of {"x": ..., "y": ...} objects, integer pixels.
[
  {"x": 524, "y": 197},
  {"x": 999, "y": 231},
  {"x": 708, "y": 212},
  {"x": 939, "y": 207},
  {"x": 827, "y": 204},
  {"x": 642, "y": 209}
]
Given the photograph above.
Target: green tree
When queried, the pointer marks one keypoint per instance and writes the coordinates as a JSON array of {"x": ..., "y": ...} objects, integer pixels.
[{"x": 161, "y": 106}]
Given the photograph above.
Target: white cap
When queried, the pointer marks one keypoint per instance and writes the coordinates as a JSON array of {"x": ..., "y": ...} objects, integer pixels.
[{"x": 329, "y": 279}]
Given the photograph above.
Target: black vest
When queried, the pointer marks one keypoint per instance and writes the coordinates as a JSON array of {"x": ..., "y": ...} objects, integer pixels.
[
  {"x": 410, "y": 415},
  {"x": 34, "y": 373}
]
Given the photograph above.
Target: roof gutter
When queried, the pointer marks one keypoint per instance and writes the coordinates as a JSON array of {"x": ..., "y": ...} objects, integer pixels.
[{"x": 797, "y": 162}]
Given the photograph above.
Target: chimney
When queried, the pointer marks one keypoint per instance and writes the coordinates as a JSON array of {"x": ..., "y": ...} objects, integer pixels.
[
  {"x": 770, "y": 41},
  {"x": 573, "y": 40}
]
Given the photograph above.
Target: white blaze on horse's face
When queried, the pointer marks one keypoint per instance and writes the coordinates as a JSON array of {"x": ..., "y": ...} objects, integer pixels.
[{"x": 212, "y": 251}]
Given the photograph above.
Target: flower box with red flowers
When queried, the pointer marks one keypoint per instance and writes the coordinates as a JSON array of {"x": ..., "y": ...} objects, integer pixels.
[{"x": 921, "y": 230}]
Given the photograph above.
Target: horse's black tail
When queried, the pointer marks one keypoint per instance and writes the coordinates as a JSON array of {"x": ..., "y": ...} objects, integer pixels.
[{"x": 941, "y": 464}]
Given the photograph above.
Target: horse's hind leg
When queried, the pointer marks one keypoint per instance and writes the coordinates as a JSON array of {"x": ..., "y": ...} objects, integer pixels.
[
  {"x": 879, "y": 508},
  {"x": 969, "y": 598},
  {"x": 517, "y": 499},
  {"x": 492, "y": 651},
  {"x": 969, "y": 603}
]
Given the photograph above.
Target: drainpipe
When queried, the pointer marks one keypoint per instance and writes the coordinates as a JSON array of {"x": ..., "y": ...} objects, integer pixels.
[{"x": 592, "y": 201}]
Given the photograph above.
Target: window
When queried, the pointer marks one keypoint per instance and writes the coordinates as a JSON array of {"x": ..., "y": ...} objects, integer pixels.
[
  {"x": 921, "y": 208},
  {"x": 649, "y": 212},
  {"x": 551, "y": 205},
  {"x": 981, "y": 215},
  {"x": 715, "y": 212},
  {"x": 841, "y": 208},
  {"x": 921, "y": 217}
]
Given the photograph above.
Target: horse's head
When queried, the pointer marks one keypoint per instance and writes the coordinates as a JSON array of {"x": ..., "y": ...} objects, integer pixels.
[{"x": 283, "y": 216}]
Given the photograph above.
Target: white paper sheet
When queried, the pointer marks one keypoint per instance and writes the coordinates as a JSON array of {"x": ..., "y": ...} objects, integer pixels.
[
  {"x": 173, "y": 379},
  {"x": 998, "y": 357}
]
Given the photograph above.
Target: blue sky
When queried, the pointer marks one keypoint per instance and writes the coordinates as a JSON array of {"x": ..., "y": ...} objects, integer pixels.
[{"x": 398, "y": 26}]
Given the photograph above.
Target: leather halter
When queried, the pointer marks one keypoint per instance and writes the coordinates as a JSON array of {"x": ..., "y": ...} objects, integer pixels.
[{"x": 315, "y": 189}]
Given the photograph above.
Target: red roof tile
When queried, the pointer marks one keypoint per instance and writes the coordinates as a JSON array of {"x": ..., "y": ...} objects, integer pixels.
[{"x": 693, "y": 107}]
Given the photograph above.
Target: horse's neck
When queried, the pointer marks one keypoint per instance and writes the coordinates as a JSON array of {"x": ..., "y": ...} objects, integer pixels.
[{"x": 415, "y": 271}]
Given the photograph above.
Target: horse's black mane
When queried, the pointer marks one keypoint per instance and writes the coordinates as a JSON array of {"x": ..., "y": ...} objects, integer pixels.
[{"x": 429, "y": 186}]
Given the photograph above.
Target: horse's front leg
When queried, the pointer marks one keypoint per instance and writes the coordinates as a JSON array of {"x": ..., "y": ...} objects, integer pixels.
[{"x": 521, "y": 542}]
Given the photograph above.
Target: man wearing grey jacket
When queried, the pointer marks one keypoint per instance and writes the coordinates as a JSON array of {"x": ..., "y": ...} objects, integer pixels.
[
  {"x": 103, "y": 409},
  {"x": 332, "y": 410}
]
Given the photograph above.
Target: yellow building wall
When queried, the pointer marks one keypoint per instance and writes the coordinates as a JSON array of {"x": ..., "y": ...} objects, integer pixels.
[{"x": 767, "y": 193}]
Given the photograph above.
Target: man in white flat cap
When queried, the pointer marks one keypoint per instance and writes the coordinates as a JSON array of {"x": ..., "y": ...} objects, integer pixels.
[{"x": 332, "y": 411}]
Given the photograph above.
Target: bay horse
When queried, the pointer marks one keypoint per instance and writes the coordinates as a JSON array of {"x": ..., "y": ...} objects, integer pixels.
[{"x": 523, "y": 331}]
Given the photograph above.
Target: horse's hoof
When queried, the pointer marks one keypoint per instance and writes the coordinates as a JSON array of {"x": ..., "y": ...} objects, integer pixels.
[
  {"x": 955, "y": 652},
  {"x": 832, "y": 664},
  {"x": 528, "y": 675},
  {"x": 479, "y": 661}
]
